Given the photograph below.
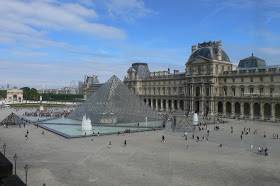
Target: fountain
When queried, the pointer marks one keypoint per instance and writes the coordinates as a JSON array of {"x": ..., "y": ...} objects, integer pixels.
[
  {"x": 195, "y": 119},
  {"x": 86, "y": 124}
]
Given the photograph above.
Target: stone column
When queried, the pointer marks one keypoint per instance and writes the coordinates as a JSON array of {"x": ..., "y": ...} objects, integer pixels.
[
  {"x": 202, "y": 108},
  {"x": 161, "y": 105},
  {"x": 261, "y": 111},
  {"x": 251, "y": 110},
  {"x": 224, "y": 109},
  {"x": 157, "y": 104},
  {"x": 232, "y": 110},
  {"x": 212, "y": 108},
  {"x": 172, "y": 105},
  {"x": 241, "y": 110},
  {"x": 152, "y": 103},
  {"x": 167, "y": 105},
  {"x": 178, "y": 105},
  {"x": 273, "y": 111}
]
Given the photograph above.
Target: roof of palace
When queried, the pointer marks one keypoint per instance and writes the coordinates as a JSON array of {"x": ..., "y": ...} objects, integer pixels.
[
  {"x": 141, "y": 69},
  {"x": 209, "y": 50},
  {"x": 252, "y": 62}
]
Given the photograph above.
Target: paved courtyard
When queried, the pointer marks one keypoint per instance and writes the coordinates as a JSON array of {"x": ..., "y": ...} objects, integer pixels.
[{"x": 57, "y": 161}]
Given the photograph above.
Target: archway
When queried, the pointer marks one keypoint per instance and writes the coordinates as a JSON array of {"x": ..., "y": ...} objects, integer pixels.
[
  {"x": 228, "y": 108},
  {"x": 175, "y": 105},
  {"x": 220, "y": 107},
  {"x": 154, "y": 103},
  {"x": 237, "y": 108},
  {"x": 267, "y": 111},
  {"x": 197, "y": 91},
  {"x": 257, "y": 110},
  {"x": 169, "y": 104},
  {"x": 246, "y": 109},
  {"x": 277, "y": 111},
  {"x": 181, "y": 104},
  {"x": 197, "y": 107},
  {"x": 149, "y": 102},
  {"x": 145, "y": 101},
  {"x": 159, "y": 104},
  {"x": 164, "y": 104},
  {"x": 14, "y": 97}
]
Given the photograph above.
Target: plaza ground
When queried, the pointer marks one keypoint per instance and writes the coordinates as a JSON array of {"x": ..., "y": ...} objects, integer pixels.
[{"x": 57, "y": 161}]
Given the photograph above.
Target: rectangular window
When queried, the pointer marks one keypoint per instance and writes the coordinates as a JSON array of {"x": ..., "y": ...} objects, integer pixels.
[
  {"x": 225, "y": 91},
  {"x": 251, "y": 91},
  {"x": 242, "y": 80},
  {"x": 207, "y": 91},
  {"x": 261, "y": 91},
  {"x": 233, "y": 80},
  {"x": 242, "y": 91},
  {"x": 261, "y": 79},
  {"x": 233, "y": 91},
  {"x": 271, "y": 91},
  {"x": 251, "y": 79},
  {"x": 271, "y": 78}
]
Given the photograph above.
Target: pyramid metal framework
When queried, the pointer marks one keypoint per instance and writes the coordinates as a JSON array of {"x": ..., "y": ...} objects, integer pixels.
[
  {"x": 114, "y": 100},
  {"x": 13, "y": 119}
]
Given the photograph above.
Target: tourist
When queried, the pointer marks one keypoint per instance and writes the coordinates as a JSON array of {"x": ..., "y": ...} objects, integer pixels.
[
  {"x": 231, "y": 129},
  {"x": 197, "y": 138},
  {"x": 265, "y": 151},
  {"x": 264, "y": 135},
  {"x": 241, "y": 137},
  {"x": 125, "y": 143},
  {"x": 110, "y": 143},
  {"x": 162, "y": 139},
  {"x": 43, "y": 132}
]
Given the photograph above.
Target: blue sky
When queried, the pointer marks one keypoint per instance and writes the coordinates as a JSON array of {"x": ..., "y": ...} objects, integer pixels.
[{"x": 49, "y": 43}]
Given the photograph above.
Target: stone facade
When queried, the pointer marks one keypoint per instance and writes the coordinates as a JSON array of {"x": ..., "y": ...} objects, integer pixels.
[{"x": 211, "y": 84}]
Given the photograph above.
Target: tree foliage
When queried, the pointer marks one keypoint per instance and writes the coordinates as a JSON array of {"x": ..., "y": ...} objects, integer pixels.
[
  {"x": 3, "y": 94},
  {"x": 30, "y": 94},
  {"x": 61, "y": 97}
]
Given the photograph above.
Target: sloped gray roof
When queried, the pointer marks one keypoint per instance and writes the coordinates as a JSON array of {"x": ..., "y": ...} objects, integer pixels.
[
  {"x": 209, "y": 53},
  {"x": 251, "y": 62}
]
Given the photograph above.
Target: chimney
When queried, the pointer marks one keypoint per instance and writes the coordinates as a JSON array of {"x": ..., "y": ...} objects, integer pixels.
[
  {"x": 219, "y": 50},
  {"x": 194, "y": 48}
]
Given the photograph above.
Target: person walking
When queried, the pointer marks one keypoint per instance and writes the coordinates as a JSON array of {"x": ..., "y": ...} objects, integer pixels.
[{"x": 163, "y": 139}]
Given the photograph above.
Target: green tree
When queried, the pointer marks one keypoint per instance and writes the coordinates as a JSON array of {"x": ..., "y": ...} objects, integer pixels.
[{"x": 30, "y": 93}]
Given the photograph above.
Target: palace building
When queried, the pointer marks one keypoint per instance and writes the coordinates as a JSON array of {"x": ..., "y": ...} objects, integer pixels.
[{"x": 212, "y": 85}]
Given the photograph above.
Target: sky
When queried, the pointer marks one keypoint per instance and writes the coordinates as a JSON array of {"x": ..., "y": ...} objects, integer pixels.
[{"x": 50, "y": 43}]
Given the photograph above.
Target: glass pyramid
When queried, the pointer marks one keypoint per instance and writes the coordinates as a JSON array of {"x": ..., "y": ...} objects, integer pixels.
[{"x": 114, "y": 103}]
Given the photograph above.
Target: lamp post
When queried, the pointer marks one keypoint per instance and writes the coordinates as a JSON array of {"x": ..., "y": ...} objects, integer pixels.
[
  {"x": 26, "y": 171},
  {"x": 4, "y": 148},
  {"x": 15, "y": 158}
]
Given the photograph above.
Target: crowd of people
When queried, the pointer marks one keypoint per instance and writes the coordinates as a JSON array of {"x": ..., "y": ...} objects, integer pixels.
[{"x": 48, "y": 113}]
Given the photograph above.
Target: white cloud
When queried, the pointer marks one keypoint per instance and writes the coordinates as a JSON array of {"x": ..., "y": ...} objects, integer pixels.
[
  {"x": 128, "y": 10},
  {"x": 36, "y": 18}
]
